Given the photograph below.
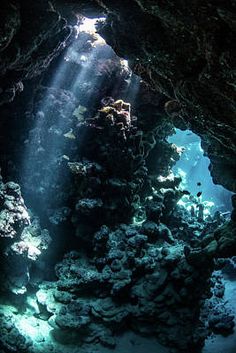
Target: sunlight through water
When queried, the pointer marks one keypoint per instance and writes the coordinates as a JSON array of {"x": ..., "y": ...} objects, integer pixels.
[{"x": 82, "y": 52}]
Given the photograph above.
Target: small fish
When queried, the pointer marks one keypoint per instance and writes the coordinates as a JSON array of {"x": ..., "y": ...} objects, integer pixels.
[
  {"x": 70, "y": 135},
  {"x": 79, "y": 112},
  {"x": 186, "y": 192},
  {"x": 65, "y": 157},
  {"x": 199, "y": 183},
  {"x": 107, "y": 110},
  {"x": 199, "y": 193}
]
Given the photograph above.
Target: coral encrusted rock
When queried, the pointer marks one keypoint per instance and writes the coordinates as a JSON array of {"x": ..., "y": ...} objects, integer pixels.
[
  {"x": 22, "y": 239},
  {"x": 31, "y": 35}
]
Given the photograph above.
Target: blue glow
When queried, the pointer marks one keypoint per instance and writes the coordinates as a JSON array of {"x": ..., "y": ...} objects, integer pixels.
[
  {"x": 193, "y": 169},
  {"x": 61, "y": 130},
  {"x": 80, "y": 72}
]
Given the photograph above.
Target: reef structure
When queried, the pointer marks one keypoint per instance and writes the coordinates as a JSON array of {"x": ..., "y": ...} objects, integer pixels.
[{"x": 140, "y": 276}]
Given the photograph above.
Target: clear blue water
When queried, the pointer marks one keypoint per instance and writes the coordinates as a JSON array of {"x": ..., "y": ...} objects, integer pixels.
[{"x": 193, "y": 168}]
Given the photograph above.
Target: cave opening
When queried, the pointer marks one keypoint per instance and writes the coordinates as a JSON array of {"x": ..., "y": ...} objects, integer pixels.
[
  {"x": 114, "y": 236},
  {"x": 193, "y": 168}
]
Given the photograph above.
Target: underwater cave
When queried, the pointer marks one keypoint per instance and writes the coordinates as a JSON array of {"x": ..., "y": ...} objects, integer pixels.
[{"x": 117, "y": 176}]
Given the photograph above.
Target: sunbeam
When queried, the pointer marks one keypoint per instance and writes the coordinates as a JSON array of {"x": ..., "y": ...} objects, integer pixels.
[{"x": 81, "y": 70}]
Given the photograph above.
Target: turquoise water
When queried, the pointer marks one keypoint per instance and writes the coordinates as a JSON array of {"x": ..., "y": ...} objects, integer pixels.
[{"x": 193, "y": 168}]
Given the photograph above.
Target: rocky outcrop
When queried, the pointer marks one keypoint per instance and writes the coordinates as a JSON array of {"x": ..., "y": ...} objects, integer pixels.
[
  {"x": 110, "y": 175},
  {"x": 26, "y": 50},
  {"x": 14, "y": 215},
  {"x": 137, "y": 280},
  {"x": 22, "y": 240},
  {"x": 187, "y": 53},
  {"x": 151, "y": 277}
]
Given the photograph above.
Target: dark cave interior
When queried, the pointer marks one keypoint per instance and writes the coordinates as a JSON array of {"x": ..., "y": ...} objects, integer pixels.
[{"x": 117, "y": 176}]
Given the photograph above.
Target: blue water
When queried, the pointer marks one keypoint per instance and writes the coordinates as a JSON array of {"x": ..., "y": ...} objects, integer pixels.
[{"x": 193, "y": 168}]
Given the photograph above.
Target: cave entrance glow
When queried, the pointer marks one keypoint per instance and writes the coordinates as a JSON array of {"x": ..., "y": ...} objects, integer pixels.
[{"x": 192, "y": 167}]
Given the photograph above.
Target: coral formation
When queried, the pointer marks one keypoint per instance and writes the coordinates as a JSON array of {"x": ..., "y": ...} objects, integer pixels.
[{"x": 22, "y": 239}]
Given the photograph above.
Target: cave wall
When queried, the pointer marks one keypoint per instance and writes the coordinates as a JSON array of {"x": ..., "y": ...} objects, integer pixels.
[
  {"x": 32, "y": 34},
  {"x": 186, "y": 51}
]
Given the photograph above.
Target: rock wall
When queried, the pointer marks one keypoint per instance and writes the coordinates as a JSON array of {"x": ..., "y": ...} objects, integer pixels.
[
  {"x": 26, "y": 50},
  {"x": 187, "y": 52},
  {"x": 22, "y": 239}
]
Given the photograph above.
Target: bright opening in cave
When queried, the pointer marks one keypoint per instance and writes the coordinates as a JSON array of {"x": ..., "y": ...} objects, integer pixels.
[
  {"x": 193, "y": 168},
  {"x": 89, "y": 24}
]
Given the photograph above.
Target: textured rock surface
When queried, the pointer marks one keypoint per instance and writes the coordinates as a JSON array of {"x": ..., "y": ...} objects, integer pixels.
[
  {"x": 140, "y": 277},
  {"x": 26, "y": 50},
  {"x": 22, "y": 241},
  {"x": 13, "y": 213},
  {"x": 139, "y": 281},
  {"x": 187, "y": 53}
]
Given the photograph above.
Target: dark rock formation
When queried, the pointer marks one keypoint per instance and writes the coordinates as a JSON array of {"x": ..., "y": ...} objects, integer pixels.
[
  {"x": 139, "y": 277},
  {"x": 22, "y": 241},
  {"x": 26, "y": 50},
  {"x": 112, "y": 170},
  {"x": 187, "y": 53}
]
